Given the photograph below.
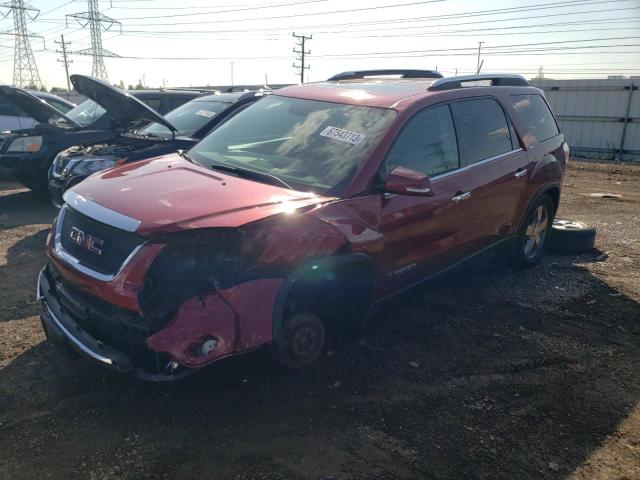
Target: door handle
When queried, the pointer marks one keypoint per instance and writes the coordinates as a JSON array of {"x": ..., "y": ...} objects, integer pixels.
[
  {"x": 460, "y": 197},
  {"x": 521, "y": 172}
]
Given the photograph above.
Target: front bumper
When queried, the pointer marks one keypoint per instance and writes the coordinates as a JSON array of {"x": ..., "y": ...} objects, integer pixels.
[
  {"x": 56, "y": 191},
  {"x": 61, "y": 328},
  {"x": 25, "y": 163}
]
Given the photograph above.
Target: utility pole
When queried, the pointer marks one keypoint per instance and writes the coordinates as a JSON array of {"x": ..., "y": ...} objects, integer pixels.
[
  {"x": 64, "y": 60},
  {"x": 301, "y": 55},
  {"x": 479, "y": 65},
  {"x": 25, "y": 70},
  {"x": 97, "y": 22}
]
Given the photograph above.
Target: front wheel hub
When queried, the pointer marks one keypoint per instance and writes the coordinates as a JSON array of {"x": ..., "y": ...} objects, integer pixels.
[{"x": 302, "y": 342}]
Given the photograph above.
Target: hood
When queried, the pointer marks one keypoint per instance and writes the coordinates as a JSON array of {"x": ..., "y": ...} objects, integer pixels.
[
  {"x": 122, "y": 106},
  {"x": 168, "y": 194},
  {"x": 33, "y": 106}
]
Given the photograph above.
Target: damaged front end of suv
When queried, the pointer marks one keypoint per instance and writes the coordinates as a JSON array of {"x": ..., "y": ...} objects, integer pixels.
[
  {"x": 169, "y": 303},
  {"x": 162, "y": 266}
]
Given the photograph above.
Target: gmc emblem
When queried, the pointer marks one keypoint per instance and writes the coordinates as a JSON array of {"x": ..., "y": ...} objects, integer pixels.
[{"x": 91, "y": 243}]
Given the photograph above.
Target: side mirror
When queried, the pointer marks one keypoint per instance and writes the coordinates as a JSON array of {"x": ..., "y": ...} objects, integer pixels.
[{"x": 404, "y": 181}]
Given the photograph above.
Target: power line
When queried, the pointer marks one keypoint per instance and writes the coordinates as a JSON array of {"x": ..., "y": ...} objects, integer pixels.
[
  {"x": 295, "y": 15},
  {"x": 418, "y": 53},
  {"x": 25, "y": 70},
  {"x": 301, "y": 55},
  {"x": 488, "y": 31},
  {"x": 212, "y": 12},
  {"x": 374, "y": 24},
  {"x": 476, "y": 13},
  {"x": 491, "y": 47}
]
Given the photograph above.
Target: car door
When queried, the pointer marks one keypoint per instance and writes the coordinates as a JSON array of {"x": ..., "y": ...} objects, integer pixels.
[
  {"x": 422, "y": 234},
  {"x": 497, "y": 167}
]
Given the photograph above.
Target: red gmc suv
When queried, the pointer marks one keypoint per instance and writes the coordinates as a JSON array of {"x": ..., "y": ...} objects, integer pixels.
[{"x": 297, "y": 216}]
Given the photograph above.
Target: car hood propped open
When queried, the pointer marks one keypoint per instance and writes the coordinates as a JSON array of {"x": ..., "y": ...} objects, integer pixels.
[
  {"x": 33, "y": 106},
  {"x": 123, "y": 107}
]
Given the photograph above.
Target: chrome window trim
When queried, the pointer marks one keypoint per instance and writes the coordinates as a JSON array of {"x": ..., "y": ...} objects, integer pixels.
[
  {"x": 75, "y": 263},
  {"x": 470, "y": 166},
  {"x": 101, "y": 214}
]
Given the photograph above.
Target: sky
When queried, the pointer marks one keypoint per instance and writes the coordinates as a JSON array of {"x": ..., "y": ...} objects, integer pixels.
[{"x": 197, "y": 42}]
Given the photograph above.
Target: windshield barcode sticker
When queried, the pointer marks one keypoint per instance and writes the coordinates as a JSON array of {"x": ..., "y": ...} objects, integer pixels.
[
  {"x": 343, "y": 135},
  {"x": 205, "y": 113}
]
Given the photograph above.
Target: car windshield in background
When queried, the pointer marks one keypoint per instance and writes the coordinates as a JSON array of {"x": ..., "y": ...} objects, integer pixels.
[
  {"x": 308, "y": 144},
  {"x": 63, "y": 107},
  {"x": 86, "y": 113},
  {"x": 187, "y": 118}
]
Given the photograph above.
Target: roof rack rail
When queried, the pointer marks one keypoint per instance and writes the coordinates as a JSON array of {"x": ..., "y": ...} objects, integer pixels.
[
  {"x": 189, "y": 89},
  {"x": 372, "y": 73},
  {"x": 497, "y": 80}
]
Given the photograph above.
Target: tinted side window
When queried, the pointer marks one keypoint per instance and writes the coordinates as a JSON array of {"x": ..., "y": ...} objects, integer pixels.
[
  {"x": 175, "y": 102},
  {"x": 10, "y": 110},
  {"x": 484, "y": 129},
  {"x": 536, "y": 114},
  {"x": 427, "y": 144},
  {"x": 63, "y": 107},
  {"x": 154, "y": 103}
]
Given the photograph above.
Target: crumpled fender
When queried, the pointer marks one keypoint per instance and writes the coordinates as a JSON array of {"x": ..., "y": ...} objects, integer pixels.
[
  {"x": 358, "y": 219},
  {"x": 238, "y": 317}
]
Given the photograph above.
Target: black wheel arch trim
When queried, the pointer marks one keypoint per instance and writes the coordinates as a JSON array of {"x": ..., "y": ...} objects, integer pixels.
[
  {"x": 332, "y": 262},
  {"x": 544, "y": 190}
]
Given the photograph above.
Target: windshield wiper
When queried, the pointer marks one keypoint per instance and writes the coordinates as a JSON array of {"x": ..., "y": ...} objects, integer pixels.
[
  {"x": 251, "y": 173},
  {"x": 186, "y": 156}
]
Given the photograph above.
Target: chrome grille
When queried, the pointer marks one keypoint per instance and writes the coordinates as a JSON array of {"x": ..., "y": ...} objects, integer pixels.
[{"x": 73, "y": 235}]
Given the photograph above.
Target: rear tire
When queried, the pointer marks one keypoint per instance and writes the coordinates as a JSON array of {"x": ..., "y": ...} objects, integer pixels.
[
  {"x": 534, "y": 233},
  {"x": 302, "y": 341}
]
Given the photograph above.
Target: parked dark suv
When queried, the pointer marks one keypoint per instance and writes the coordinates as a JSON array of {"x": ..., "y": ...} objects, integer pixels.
[
  {"x": 28, "y": 152},
  {"x": 192, "y": 121},
  {"x": 297, "y": 216}
]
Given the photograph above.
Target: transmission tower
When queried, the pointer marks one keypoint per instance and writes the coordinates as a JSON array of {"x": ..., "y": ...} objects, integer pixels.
[
  {"x": 97, "y": 22},
  {"x": 301, "y": 55},
  {"x": 25, "y": 70}
]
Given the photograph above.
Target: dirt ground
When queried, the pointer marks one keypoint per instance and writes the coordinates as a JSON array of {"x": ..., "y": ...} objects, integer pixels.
[{"x": 485, "y": 373}]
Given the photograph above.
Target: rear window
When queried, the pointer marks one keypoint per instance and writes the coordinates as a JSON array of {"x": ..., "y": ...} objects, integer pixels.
[
  {"x": 485, "y": 131},
  {"x": 536, "y": 114},
  {"x": 188, "y": 118},
  {"x": 154, "y": 103}
]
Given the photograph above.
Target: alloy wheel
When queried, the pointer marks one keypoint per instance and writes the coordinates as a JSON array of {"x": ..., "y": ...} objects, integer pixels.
[{"x": 537, "y": 231}]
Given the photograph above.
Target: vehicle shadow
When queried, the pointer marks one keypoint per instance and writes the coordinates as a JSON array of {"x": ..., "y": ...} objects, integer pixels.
[
  {"x": 21, "y": 207},
  {"x": 23, "y": 261},
  {"x": 486, "y": 372}
]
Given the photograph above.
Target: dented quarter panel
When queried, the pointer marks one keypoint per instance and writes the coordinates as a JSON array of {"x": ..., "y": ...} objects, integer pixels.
[{"x": 239, "y": 317}]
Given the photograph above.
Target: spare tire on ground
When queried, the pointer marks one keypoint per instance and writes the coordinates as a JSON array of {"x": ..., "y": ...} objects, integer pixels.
[{"x": 568, "y": 236}]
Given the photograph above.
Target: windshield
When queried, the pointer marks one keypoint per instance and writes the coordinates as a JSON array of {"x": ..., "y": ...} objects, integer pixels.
[
  {"x": 86, "y": 113},
  {"x": 310, "y": 144},
  {"x": 187, "y": 118}
]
